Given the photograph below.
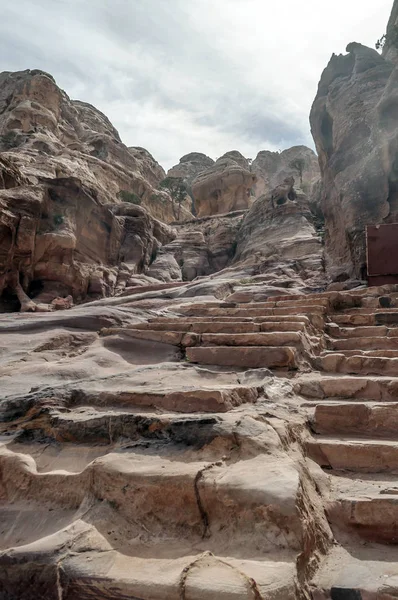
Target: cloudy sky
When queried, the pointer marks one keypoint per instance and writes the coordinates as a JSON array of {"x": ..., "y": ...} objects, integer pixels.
[{"x": 176, "y": 76}]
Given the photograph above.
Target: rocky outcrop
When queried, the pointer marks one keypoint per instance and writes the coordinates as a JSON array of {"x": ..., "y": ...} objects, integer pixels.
[
  {"x": 279, "y": 234},
  {"x": 390, "y": 49},
  {"x": 202, "y": 247},
  {"x": 49, "y": 135},
  {"x": 224, "y": 187},
  {"x": 271, "y": 168},
  {"x": 354, "y": 123},
  {"x": 190, "y": 166},
  {"x": 56, "y": 238}
]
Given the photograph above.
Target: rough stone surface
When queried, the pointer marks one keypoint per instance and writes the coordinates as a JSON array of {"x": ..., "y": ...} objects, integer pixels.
[
  {"x": 190, "y": 166},
  {"x": 144, "y": 449},
  {"x": 354, "y": 125},
  {"x": 279, "y": 231},
  {"x": 224, "y": 187},
  {"x": 271, "y": 168}
]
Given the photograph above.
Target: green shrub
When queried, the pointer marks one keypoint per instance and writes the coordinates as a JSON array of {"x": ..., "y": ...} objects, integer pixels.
[{"x": 131, "y": 197}]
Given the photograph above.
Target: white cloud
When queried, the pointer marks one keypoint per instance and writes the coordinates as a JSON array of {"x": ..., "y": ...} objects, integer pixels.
[{"x": 177, "y": 76}]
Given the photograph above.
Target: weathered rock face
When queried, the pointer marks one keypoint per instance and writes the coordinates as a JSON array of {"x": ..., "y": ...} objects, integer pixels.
[
  {"x": 70, "y": 220},
  {"x": 354, "y": 123},
  {"x": 190, "y": 166},
  {"x": 279, "y": 234},
  {"x": 49, "y": 135},
  {"x": 271, "y": 168},
  {"x": 224, "y": 187},
  {"x": 390, "y": 50},
  {"x": 57, "y": 239},
  {"x": 202, "y": 247}
]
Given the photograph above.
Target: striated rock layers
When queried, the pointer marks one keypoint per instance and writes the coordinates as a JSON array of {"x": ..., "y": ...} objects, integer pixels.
[
  {"x": 279, "y": 233},
  {"x": 190, "y": 166},
  {"x": 224, "y": 187},
  {"x": 70, "y": 193},
  {"x": 57, "y": 239},
  {"x": 49, "y": 135},
  {"x": 354, "y": 122},
  {"x": 271, "y": 168}
]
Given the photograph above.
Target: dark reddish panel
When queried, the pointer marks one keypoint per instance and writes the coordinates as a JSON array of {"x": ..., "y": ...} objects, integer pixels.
[{"x": 382, "y": 250}]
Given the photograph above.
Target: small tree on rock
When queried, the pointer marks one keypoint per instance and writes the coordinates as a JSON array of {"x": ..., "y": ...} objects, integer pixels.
[
  {"x": 298, "y": 164},
  {"x": 177, "y": 188}
]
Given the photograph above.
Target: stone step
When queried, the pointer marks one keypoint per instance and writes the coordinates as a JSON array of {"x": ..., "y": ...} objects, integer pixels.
[
  {"x": 357, "y": 573},
  {"x": 232, "y": 319},
  {"x": 250, "y": 312},
  {"x": 366, "y": 318},
  {"x": 365, "y": 507},
  {"x": 291, "y": 303},
  {"x": 361, "y": 365},
  {"x": 53, "y": 437},
  {"x": 371, "y": 310},
  {"x": 365, "y": 343},
  {"x": 208, "y": 326},
  {"x": 94, "y": 569},
  {"x": 174, "y": 498},
  {"x": 175, "y": 338},
  {"x": 356, "y": 418},
  {"x": 205, "y": 399},
  {"x": 353, "y": 320},
  {"x": 245, "y": 356},
  {"x": 343, "y": 386},
  {"x": 369, "y": 353},
  {"x": 377, "y": 331},
  {"x": 253, "y": 339},
  {"x": 364, "y": 455}
]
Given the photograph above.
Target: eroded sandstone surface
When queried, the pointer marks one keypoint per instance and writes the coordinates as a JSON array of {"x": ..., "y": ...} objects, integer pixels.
[
  {"x": 159, "y": 446},
  {"x": 354, "y": 125},
  {"x": 211, "y": 415}
]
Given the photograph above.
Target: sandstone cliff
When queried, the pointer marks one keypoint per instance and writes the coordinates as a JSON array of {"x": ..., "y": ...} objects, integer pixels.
[
  {"x": 354, "y": 123},
  {"x": 190, "y": 166},
  {"x": 279, "y": 236},
  {"x": 390, "y": 49},
  {"x": 224, "y": 187},
  {"x": 49, "y": 135},
  {"x": 271, "y": 168},
  {"x": 71, "y": 223},
  {"x": 57, "y": 239}
]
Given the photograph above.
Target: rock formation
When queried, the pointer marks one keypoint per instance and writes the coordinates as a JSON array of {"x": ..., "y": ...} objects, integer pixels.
[
  {"x": 49, "y": 135},
  {"x": 57, "y": 239},
  {"x": 224, "y": 187},
  {"x": 354, "y": 123},
  {"x": 190, "y": 166},
  {"x": 221, "y": 428},
  {"x": 271, "y": 168},
  {"x": 202, "y": 247},
  {"x": 70, "y": 193},
  {"x": 390, "y": 49},
  {"x": 279, "y": 235}
]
